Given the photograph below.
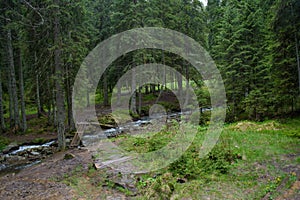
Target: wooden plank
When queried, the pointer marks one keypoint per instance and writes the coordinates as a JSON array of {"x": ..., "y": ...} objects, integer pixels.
[
  {"x": 104, "y": 164},
  {"x": 78, "y": 135},
  {"x": 75, "y": 140}
]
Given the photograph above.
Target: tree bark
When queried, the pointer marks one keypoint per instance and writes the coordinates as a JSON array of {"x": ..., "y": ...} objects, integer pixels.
[
  {"x": 140, "y": 101},
  {"x": 133, "y": 92},
  {"x": 38, "y": 101},
  {"x": 87, "y": 98},
  {"x": 16, "y": 122},
  {"x": 105, "y": 90},
  {"x": 37, "y": 80},
  {"x": 59, "y": 82},
  {"x": 164, "y": 72},
  {"x": 54, "y": 106},
  {"x": 2, "y": 122},
  {"x": 49, "y": 103},
  {"x": 119, "y": 92},
  {"x": 22, "y": 96},
  {"x": 11, "y": 100},
  {"x": 179, "y": 81},
  {"x": 69, "y": 101},
  {"x": 298, "y": 59},
  {"x": 172, "y": 81},
  {"x": 187, "y": 85}
]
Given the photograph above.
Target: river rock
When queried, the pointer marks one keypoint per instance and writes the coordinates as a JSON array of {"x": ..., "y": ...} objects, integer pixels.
[
  {"x": 2, "y": 166},
  {"x": 14, "y": 158},
  {"x": 2, "y": 158},
  {"x": 40, "y": 148},
  {"x": 47, "y": 151},
  {"x": 22, "y": 153},
  {"x": 34, "y": 153},
  {"x": 68, "y": 141}
]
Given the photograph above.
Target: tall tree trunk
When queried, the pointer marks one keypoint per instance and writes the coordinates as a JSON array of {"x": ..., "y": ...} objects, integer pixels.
[
  {"x": 87, "y": 98},
  {"x": 11, "y": 100},
  {"x": 172, "y": 81},
  {"x": 59, "y": 82},
  {"x": 105, "y": 90},
  {"x": 49, "y": 102},
  {"x": 2, "y": 122},
  {"x": 133, "y": 89},
  {"x": 38, "y": 100},
  {"x": 69, "y": 101},
  {"x": 146, "y": 89},
  {"x": 13, "y": 80},
  {"x": 187, "y": 85},
  {"x": 140, "y": 101},
  {"x": 119, "y": 92},
  {"x": 37, "y": 78},
  {"x": 152, "y": 88},
  {"x": 298, "y": 59},
  {"x": 22, "y": 98},
  {"x": 179, "y": 81},
  {"x": 164, "y": 72},
  {"x": 54, "y": 106}
]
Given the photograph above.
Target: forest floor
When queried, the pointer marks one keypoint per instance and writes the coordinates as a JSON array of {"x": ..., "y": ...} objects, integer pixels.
[
  {"x": 252, "y": 160},
  {"x": 268, "y": 168}
]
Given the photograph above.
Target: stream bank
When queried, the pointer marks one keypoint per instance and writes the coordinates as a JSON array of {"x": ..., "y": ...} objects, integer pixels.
[{"x": 17, "y": 157}]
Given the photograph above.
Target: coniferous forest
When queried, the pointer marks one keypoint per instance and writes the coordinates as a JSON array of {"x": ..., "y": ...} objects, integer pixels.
[{"x": 255, "y": 45}]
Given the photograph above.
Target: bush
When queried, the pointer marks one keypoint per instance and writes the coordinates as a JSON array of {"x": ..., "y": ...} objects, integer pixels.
[
  {"x": 218, "y": 161},
  {"x": 160, "y": 187}
]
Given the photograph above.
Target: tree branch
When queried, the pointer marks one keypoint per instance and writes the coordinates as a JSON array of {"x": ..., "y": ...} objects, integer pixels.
[{"x": 35, "y": 10}]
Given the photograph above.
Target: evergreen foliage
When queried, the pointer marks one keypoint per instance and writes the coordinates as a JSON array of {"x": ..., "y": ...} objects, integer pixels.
[{"x": 255, "y": 44}]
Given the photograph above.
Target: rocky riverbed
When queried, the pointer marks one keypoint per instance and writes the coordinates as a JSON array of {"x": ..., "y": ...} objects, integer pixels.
[
  {"x": 16, "y": 157},
  {"x": 38, "y": 181}
]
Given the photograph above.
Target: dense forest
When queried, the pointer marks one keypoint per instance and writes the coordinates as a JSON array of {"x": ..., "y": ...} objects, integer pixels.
[
  {"x": 255, "y": 44},
  {"x": 66, "y": 135}
]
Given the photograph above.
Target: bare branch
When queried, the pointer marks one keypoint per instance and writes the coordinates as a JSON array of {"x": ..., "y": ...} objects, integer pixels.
[{"x": 35, "y": 10}]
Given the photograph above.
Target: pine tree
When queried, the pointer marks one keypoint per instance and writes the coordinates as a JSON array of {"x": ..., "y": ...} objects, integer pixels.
[{"x": 285, "y": 67}]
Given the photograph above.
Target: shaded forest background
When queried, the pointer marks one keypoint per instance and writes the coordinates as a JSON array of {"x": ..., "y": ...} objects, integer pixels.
[{"x": 255, "y": 44}]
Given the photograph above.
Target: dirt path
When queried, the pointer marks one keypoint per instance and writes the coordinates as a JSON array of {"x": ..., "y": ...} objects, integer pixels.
[
  {"x": 292, "y": 194},
  {"x": 38, "y": 182}
]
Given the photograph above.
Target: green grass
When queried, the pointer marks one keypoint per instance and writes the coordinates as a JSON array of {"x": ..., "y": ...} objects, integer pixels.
[
  {"x": 144, "y": 145},
  {"x": 3, "y": 143},
  {"x": 248, "y": 162}
]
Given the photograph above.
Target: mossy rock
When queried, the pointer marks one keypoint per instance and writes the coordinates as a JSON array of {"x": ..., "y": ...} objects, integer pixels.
[
  {"x": 39, "y": 141},
  {"x": 107, "y": 120}
]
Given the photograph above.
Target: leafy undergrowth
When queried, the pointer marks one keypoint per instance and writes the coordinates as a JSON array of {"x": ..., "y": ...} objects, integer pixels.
[
  {"x": 246, "y": 163},
  {"x": 39, "y": 125},
  {"x": 39, "y": 131},
  {"x": 250, "y": 161},
  {"x": 3, "y": 142}
]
